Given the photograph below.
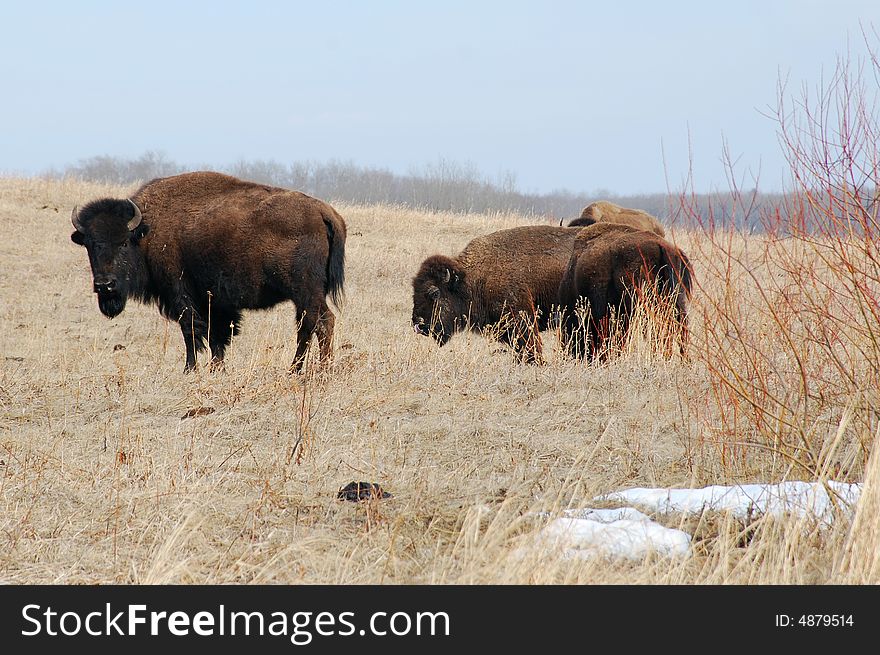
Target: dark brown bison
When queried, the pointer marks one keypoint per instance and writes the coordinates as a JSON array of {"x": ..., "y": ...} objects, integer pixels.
[
  {"x": 612, "y": 267},
  {"x": 505, "y": 283},
  {"x": 205, "y": 246},
  {"x": 607, "y": 212}
]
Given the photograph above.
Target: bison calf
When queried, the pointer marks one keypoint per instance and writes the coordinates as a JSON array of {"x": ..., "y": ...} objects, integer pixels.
[
  {"x": 611, "y": 268},
  {"x": 505, "y": 283},
  {"x": 205, "y": 246},
  {"x": 607, "y": 212}
]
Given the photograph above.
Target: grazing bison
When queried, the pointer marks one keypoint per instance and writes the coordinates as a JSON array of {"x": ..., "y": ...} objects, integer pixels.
[
  {"x": 611, "y": 268},
  {"x": 205, "y": 246},
  {"x": 607, "y": 212},
  {"x": 506, "y": 281}
]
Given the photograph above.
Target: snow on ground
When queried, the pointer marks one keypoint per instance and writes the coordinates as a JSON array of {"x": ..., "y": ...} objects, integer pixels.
[
  {"x": 628, "y": 533},
  {"x": 804, "y": 499},
  {"x": 629, "y": 538}
]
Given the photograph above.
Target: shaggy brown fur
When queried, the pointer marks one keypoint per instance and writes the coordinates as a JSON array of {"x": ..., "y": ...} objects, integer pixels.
[
  {"x": 611, "y": 268},
  {"x": 607, "y": 212},
  {"x": 506, "y": 281},
  {"x": 205, "y": 246}
]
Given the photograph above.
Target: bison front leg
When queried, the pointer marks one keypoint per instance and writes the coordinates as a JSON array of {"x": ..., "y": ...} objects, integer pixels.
[
  {"x": 529, "y": 346},
  {"x": 521, "y": 334},
  {"x": 318, "y": 320}
]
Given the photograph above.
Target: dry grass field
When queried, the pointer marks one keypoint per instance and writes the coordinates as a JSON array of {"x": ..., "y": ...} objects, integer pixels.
[{"x": 115, "y": 467}]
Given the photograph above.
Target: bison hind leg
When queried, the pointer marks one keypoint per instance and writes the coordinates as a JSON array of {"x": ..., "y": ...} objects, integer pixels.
[
  {"x": 573, "y": 335},
  {"x": 315, "y": 320},
  {"x": 221, "y": 328},
  {"x": 195, "y": 331}
]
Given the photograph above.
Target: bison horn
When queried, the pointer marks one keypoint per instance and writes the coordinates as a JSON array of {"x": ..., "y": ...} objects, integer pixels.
[
  {"x": 136, "y": 220},
  {"x": 74, "y": 218},
  {"x": 447, "y": 277}
]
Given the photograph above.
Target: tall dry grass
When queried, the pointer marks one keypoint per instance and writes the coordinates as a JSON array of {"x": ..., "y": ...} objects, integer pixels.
[{"x": 115, "y": 467}]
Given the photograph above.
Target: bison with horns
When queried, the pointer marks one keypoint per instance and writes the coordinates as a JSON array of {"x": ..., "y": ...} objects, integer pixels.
[
  {"x": 612, "y": 267},
  {"x": 205, "y": 246},
  {"x": 504, "y": 283}
]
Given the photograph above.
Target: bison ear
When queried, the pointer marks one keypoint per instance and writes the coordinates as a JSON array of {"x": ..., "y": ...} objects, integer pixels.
[
  {"x": 450, "y": 276},
  {"x": 455, "y": 279},
  {"x": 78, "y": 238}
]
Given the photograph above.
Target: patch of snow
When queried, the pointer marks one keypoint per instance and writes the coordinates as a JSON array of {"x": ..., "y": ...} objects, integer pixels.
[
  {"x": 805, "y": 499},
  {"x": 603, "y": 532},
  {"x": 626, "y": 532}
]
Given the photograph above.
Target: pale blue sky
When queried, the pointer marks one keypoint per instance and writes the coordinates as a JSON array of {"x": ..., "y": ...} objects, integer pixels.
[{"x": 576, "y": 95}]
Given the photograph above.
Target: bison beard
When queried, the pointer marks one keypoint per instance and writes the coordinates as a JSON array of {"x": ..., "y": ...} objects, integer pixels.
[
  {"x": 111, "y": 304},
  {"x": 205, "y": 246}
]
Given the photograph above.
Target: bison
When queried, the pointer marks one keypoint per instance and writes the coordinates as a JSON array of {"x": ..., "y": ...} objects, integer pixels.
[
  {"x": 610, "y": 269},
  {"x": 607, "y": 212},
  {"x": 505, "y": 283},
  {"x": 204, "y": 246}
]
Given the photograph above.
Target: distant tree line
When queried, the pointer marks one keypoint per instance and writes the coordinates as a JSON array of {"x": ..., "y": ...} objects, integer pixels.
[{"x": 442, "y": 186}]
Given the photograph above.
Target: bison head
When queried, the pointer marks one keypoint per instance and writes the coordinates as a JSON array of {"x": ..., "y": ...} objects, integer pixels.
[
  {"x": 110, "y": 230},
  {"x": 440, "y": 299}
]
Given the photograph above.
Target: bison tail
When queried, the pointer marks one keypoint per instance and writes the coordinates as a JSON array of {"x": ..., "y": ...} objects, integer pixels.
[
  {"x": 673, "y": 271},
  {"x": 335, "y": 279},
  {"x": 683, "y": 271},
  {"x": 676, "y": 277}
]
